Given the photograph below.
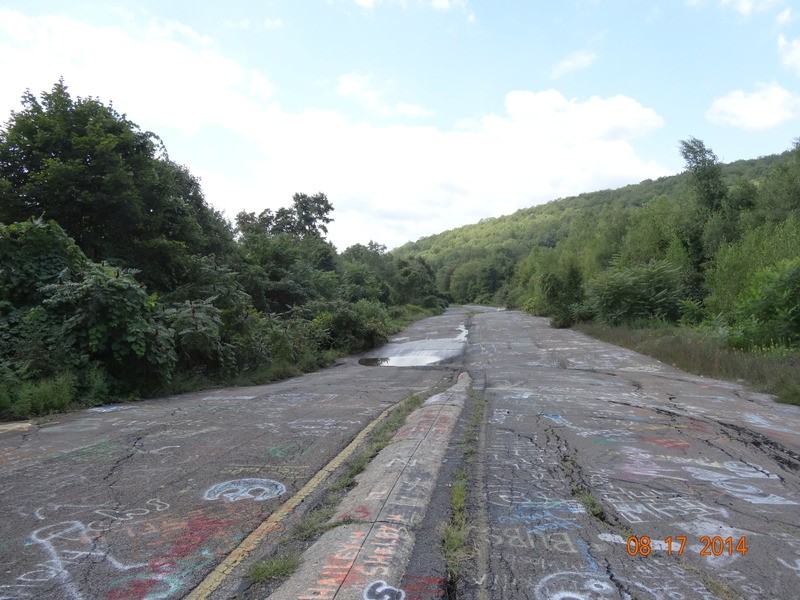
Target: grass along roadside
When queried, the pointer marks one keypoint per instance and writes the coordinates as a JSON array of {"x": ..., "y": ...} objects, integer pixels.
[
  {"x": 279, "y": 564},
  {"x": 455, "y": 534},
  {"x": 456, "y": 544},
  {"x": 773, "y": 371}
]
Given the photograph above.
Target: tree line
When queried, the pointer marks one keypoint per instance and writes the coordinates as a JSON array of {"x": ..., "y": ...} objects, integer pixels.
[
  {"x": 716, "y": 247},
  {"x": 118, "y": 279}
]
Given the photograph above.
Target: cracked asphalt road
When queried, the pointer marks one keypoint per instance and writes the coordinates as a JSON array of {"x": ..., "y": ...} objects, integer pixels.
[
  {"x": 587, "y": 444},
  {"x": 584, "y": 446},
  {"x": 143, "y": 500}
]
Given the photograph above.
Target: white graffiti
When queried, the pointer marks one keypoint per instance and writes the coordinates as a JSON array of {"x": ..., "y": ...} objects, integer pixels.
[
  {"x": 747, "y": 492},
  {"x": 573, "y": 585},
  {"x": 245, "y": 489},
  {"x": 795, "y": 567},
  {"x": 64, "y": 544},
  {"x": 380, "y": 590}
]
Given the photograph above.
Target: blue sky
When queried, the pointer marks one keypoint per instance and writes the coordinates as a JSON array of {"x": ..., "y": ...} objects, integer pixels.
[{"x": 416, "y": 116}]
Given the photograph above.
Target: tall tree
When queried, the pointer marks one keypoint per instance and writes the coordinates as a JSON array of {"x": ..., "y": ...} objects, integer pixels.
[
  {"x": 705, "y": 171},
  {"x": 107, "y": 183}
]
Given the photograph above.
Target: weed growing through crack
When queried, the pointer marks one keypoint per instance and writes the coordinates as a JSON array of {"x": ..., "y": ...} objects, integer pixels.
[
  {"x": 312, "y": 524},
  {"x": 593, "y": 507},
  {"x": 380, "y": 437},
  {"x": 469, "y": 443},
  {"x": 456, "y": 532},
  {"x": 279, "y": 567}
]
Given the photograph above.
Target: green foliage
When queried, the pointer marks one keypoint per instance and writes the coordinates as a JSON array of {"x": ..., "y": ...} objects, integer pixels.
[
  {"x": 137, "y": 286},
  {"x": 33, "y": 254},
  {"x": 108, "y": 184},
  {"x": 705, "y": 173},
  {"x": 308, "y": 217},
  {"x": 735, "y": 265},
  {"x": 347, "y": 327},
  {"x": 627, "y": 294},
  {"x": 47, "y": 395},
  {"x": 278, "y": 567},
  {"x": 104, "y": 313},
  {"x": 561, "y": 296},
  {"x": 768, "y": 311},
  {"x": 416, "y": 284}
]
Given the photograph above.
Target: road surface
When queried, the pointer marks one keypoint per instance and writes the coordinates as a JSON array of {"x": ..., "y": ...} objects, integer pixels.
[{"x": 597, "y": 473}]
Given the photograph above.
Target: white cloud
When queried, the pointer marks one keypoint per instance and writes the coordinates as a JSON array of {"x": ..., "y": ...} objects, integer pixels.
[
  {"x": 790, "y": 53},
  {"x": 580, "y": 59},
  {"x": 441, "y": 5},
  {"x": 412, "y": 110},
  {"x": 768, "y": 107},
  {"x": 359, "y": 87},
  {"x": 784, "y": 17},
  {"x": 169, "y": 75},
  {"x": 389, "y": 183},
  {"x": 743, "y": 7},
  {"x": 747, "y": 7}
]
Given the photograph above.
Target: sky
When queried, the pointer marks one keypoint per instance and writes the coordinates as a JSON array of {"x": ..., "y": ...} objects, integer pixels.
[{"x": 418, "y": 116}]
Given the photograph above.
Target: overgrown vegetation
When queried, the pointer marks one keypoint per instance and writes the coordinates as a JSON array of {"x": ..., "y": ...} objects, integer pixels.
[
  {"x": 707, "y": 352},
  {"x": 715, "y": 249},
  {"x": 119, "y": 280},
  {"x": 279, "y": 567},
  {"x": 456, "y": 544},
  {"x": 455, "y": 533}
]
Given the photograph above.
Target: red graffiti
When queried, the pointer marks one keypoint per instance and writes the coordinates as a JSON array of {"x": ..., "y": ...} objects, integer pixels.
[
  {"x": 199, "y": 530},
  {"x": 424, "y": 588},
  {"x": 359, "y": 512},
  {"x": 135, "y": 589}
]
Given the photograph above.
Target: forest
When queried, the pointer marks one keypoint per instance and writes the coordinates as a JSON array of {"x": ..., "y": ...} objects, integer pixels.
[
  {"x": 701, "y": 267},
  {"x": 118, "y": 280}
]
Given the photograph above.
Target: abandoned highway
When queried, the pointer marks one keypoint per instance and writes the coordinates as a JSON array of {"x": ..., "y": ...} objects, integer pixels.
[{"x": 592, "y": 472}]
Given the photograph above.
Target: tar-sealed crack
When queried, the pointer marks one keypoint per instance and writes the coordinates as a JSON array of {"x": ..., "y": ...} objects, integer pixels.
[
  {"x": 785, "y": 457},
  {"x": 624, "y": 592},
  {"x": 135, "y": 449}
]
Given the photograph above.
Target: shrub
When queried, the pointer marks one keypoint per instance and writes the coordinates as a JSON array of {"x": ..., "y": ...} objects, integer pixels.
[
  {"x": 47, "y": 395},
  {"x": 106, "y": 314},
  {"x": 768, "y": 311},
  {"x": 625, "y": 294}
]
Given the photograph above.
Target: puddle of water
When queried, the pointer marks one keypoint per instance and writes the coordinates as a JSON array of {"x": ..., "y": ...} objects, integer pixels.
[
  {"x": 372, "y": 362},
  {"x": 417, "y": 353}
]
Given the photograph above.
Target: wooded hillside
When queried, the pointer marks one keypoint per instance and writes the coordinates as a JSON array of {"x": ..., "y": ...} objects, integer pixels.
[{"x": 718, "y": 242}]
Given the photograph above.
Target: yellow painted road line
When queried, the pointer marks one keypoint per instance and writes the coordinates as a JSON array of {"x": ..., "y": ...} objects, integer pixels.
[{"x": 252, "y": 541}]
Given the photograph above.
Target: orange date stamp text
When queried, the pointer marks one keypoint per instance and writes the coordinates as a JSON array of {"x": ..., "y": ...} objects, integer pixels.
[{"x": 712, "y": 545}]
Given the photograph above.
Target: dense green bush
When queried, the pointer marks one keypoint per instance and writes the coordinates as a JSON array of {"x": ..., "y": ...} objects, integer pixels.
[
  {"x": 626, "y": 294},
  {"x": 767, "y": 313},
  {"x": 348, "y": 327},
  {"x": 170, "y": 299},
  {"x": 736, "y": 264}
]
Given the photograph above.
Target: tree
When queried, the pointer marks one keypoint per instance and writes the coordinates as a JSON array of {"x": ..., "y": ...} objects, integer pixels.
[
  {"x": 308, "y": 217},
  {"x": 108, "y": 184},
  {"x": 705, "y": 173}
]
